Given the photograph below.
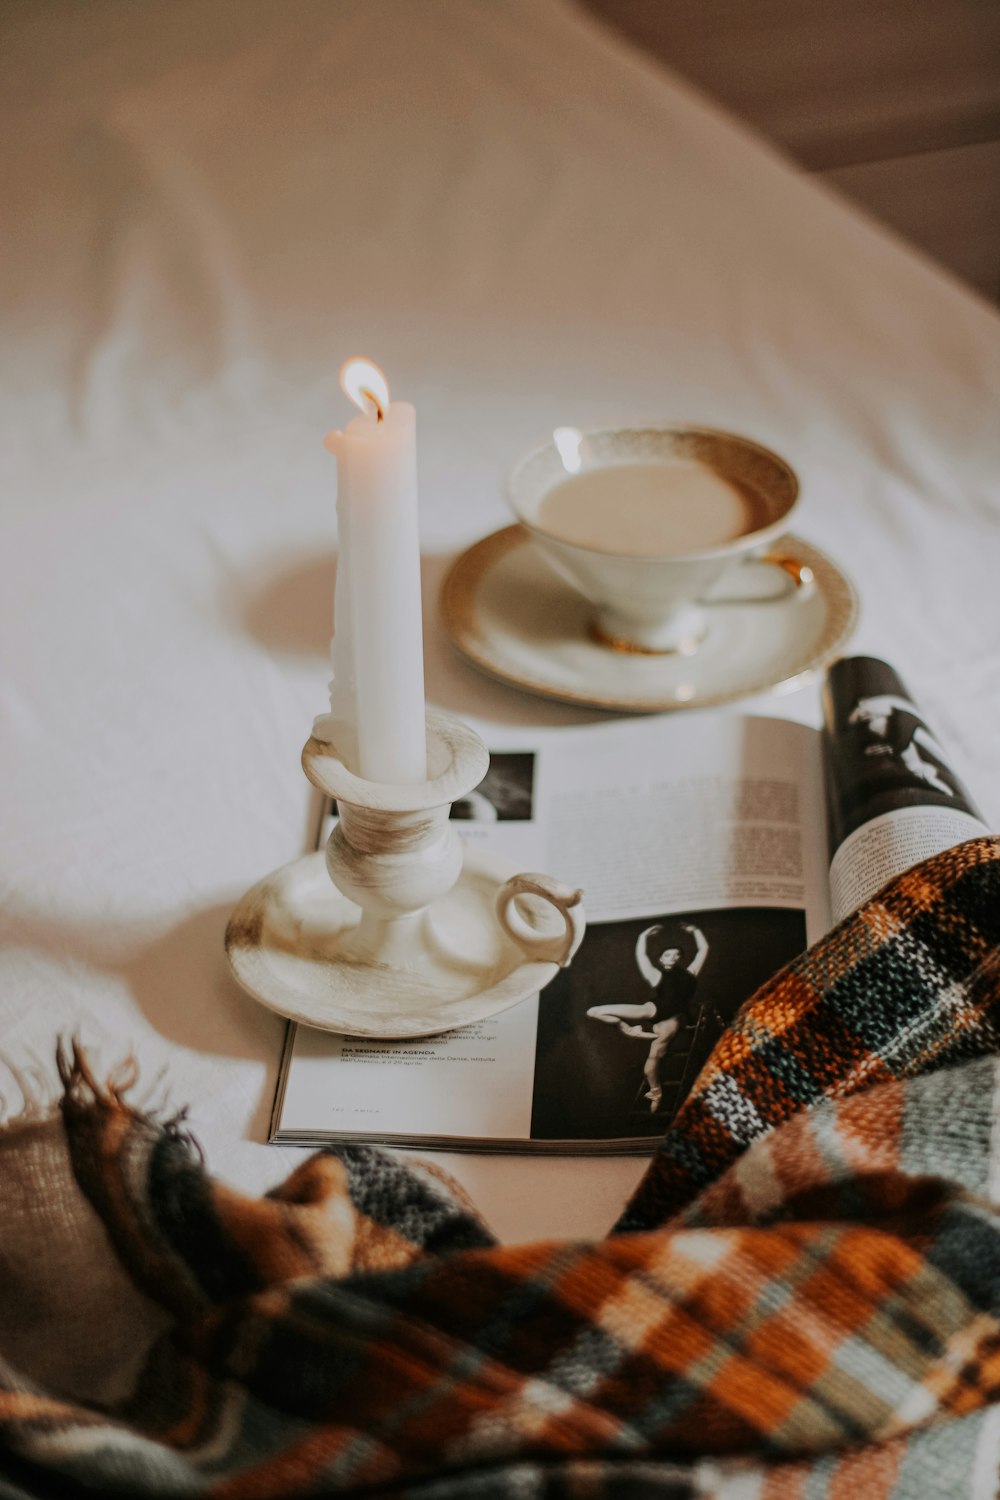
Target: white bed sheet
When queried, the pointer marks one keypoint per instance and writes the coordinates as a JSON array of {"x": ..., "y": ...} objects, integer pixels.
[{"x": 206, "y": 207}]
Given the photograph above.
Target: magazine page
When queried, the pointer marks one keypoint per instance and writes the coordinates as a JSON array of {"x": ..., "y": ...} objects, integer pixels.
[
  {"x": 892, "y": 797},
  {"x": 701, "y": 846}
]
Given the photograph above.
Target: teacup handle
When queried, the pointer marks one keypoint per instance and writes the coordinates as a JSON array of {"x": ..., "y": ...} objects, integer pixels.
[
  {"x": 543, "y": 947},
  {"x": 799, "y": 578}
]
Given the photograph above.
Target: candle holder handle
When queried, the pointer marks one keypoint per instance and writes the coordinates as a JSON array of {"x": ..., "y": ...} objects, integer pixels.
[{"x": 522, "y": 918}]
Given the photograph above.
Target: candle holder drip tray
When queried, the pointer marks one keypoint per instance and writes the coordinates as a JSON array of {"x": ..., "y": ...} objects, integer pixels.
[{"x": 396, "y": 930}]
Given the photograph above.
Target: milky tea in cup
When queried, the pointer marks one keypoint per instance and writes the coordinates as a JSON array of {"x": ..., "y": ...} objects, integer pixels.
[{"x": 645, "y": 522}]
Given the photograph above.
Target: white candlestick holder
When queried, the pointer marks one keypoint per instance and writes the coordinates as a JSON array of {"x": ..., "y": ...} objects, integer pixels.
[{"x": 397, "y": 929}]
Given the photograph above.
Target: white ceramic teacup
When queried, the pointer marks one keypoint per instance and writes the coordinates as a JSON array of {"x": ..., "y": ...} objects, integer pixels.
[{"x": 649, "y": 523}]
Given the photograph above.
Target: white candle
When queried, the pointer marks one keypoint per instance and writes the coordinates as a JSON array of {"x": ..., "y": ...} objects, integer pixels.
[{"x": 377, "y": 693}]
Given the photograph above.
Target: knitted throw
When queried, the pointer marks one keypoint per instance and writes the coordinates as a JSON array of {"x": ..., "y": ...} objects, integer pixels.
[{"x": 801, "y": 1302}]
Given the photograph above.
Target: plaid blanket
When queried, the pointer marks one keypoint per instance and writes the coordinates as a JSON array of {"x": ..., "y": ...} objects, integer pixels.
[{"x": 801, "y": 1301}]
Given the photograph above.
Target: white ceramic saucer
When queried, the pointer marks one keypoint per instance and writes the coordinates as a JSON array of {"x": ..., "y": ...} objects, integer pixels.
[{"x": 508, "y": 612}]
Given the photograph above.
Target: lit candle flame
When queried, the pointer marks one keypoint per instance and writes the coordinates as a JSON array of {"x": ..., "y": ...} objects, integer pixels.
[
  {"x": 365, "y": 383},
  {"x": 568, "y": 441}
]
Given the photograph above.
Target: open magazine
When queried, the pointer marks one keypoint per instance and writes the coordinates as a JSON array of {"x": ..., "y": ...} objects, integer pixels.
[{"x": 711, "y": 849}]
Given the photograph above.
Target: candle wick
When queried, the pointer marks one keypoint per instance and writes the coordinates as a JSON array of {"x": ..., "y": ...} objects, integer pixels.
[{"x": 371, "y": 396}]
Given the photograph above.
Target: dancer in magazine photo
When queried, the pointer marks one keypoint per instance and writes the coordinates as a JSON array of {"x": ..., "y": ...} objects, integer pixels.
[
  {"x": 898, "y": 731},
  {"x": 658, "y": 1019},
  {"x": 624, "y": 1031}
]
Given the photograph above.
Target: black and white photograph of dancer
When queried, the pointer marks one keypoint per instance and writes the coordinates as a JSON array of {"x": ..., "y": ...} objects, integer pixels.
[
  {"x": 673, "y": 984},
  {"x": 880, "y": 753},
  {"x": 624, "y": 1031},
  {"x": 896, "y": 730}
]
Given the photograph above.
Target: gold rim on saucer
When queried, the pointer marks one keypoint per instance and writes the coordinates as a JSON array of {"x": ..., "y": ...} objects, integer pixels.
[{"x": 510, "y": 615}]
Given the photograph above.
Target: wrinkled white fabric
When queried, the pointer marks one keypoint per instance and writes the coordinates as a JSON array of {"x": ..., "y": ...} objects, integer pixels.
[{"x": 205, "y": 209}]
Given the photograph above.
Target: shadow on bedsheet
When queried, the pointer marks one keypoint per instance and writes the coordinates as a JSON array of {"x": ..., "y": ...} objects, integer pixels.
[{"x": 291, "y": 614}]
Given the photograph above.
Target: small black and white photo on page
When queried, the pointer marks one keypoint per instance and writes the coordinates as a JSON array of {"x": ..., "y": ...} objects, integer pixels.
[
  {"x": 506, "y": 793},
  {"x": 623, "y": 1033}
]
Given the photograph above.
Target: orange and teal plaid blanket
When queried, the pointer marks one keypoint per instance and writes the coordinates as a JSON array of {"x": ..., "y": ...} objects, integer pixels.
[{"x": 801, "y": 1302}]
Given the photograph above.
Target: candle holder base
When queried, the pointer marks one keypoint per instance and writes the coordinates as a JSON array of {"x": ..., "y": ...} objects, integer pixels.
[
  {"x": 289, "y": 945},
  {"x": 397, "y": 930}
]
